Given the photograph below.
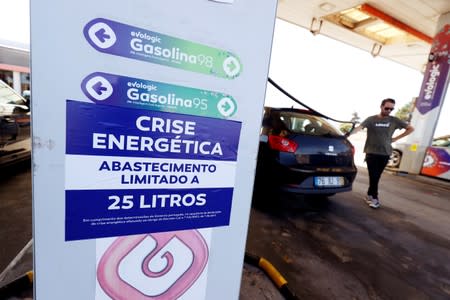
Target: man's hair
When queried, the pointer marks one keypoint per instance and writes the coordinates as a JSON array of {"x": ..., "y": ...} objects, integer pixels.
[{"x": 387, "y": 100}]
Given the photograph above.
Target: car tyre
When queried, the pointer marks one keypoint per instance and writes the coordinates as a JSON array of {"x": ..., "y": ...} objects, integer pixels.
[{"x": 395, "y": 159}]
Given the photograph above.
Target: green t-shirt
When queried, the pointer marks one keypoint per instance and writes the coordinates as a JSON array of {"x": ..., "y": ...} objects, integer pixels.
[{"x": 379, "y": 133}]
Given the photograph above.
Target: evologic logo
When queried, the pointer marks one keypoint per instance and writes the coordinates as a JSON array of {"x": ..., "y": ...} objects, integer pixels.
[{"x": 432, "y": 81}]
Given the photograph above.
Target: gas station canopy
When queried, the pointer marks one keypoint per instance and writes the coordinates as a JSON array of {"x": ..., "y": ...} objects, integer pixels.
[{"x": 399, "y": 30}]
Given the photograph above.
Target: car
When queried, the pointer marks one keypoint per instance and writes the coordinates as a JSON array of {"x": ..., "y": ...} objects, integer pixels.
[
  {"x": 396, "y": 156},
  {"x": 442, "y": 141},
  {"x": 15, "y": 139},
  {"x": 301, "y": 152},
  {"x": 398, "y": 149},
  {"x": 437, "y": 159}
]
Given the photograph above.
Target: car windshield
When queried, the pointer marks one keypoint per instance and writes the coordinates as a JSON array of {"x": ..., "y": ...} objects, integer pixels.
[
  {"x": 300, "y": 123},
  {"x": 9, "y": 96}
]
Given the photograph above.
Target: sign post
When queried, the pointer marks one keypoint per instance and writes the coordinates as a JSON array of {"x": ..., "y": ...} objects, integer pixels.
[
  {"x": 146, "y": 117},
  {"x": 431, "y": 98}
]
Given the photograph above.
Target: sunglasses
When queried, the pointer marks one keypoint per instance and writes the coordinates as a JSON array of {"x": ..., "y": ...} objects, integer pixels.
[{"x": 388, "y": 108}]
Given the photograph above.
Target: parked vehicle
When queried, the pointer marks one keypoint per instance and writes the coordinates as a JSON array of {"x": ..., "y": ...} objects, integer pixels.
[
  {"x": 300, "y": 152},
  {"x": 398, "y": 149},
  {"x": 396, "y": 157},
  {"x": 15, "y": 140},
  {"x": 437, "y": 159},
  {"x": 442, "y": 141}
]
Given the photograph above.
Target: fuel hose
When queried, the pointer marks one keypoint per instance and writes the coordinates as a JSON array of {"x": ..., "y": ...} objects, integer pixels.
[
  {"x": 306, "y": 106},
  {"x": 17, "y": 286},
  {"x": 280, "y": 282}
]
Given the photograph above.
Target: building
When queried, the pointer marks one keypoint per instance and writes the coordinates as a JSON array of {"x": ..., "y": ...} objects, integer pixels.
[{"x": 15, "y": 66}]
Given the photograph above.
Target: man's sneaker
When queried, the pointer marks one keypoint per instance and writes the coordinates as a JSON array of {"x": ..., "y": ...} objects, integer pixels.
[
  {"x": 375, "y": 203},
  {"x": 368, "y": 199}
]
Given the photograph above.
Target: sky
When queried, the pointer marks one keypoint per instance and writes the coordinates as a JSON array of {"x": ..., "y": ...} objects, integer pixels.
[
  {"x": 329, "y": 76},
  {"x": 337, "y": 79},
  {"x": 15, "y": 21}
]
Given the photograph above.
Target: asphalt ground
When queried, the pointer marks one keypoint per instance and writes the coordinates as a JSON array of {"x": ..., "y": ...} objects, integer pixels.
[
  {"x": 15, "y": 211},
  {"x": 343, "y": 249}
]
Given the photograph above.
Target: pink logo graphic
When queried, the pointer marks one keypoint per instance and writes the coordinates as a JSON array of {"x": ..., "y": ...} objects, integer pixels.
[{"x": 152, "y": 266}]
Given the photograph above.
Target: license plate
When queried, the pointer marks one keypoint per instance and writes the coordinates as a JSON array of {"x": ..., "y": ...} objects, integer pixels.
[{"x": 325, "y": 181}]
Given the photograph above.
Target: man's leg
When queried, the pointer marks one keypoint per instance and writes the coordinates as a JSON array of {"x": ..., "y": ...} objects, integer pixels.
[{"x": 375, "y": 166}]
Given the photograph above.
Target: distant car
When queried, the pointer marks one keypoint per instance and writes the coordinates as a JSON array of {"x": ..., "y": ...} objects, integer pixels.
[
  {"x": 437, "y": 159},
  {"x": 300, "y": 152},
  {"x": 396, "y": 156},
  {"x": 442, "y": 141},
  {"x": 15, "y": 140},
  {"x": 399, "y": 148}
]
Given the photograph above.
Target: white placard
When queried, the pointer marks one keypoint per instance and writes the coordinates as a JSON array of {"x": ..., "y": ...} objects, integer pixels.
[{"x": 121, "y": 85}]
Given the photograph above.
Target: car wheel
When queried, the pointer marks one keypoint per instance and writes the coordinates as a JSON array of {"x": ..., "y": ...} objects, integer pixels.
[
  {"x": 395, "y": 159},
  {"x": 264, "y": 192}
]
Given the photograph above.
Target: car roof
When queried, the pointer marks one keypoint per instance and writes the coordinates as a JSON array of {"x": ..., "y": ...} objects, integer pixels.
[
  {"x": 442, "y": 137},
  {"x": 291, "y": 109}
]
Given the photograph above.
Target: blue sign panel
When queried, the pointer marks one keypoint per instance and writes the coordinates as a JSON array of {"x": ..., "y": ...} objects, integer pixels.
[
  {"x": 436, "y": 75},
  {"x": 132, "y": 171},
  {"x": 107, "y": 130},
  {"x": 105, "y": 213}
]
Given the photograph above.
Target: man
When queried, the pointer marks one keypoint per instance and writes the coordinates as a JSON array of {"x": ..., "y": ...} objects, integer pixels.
[{"x": 378, "y": 149}]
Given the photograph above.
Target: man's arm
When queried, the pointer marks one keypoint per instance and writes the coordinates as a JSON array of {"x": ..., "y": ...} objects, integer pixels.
[
  {"x": 407, "y": 131},
  {"x": 355, "y": 130}
]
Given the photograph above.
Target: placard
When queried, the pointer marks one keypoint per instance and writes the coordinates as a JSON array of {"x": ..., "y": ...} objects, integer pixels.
[{"x": 146, "y": 117}]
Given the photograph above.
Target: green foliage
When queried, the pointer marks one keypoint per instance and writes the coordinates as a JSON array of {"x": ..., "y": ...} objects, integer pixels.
[
  {"x": 404, "y": 113},
  {"x": 345, "y": 127}
]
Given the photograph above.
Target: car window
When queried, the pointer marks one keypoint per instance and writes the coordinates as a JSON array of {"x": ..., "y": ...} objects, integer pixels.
[
  {"x": 9, "y": 96},
  {"x": 307, "y": 124},
  {"x": 277, "y": 124},
  {"x": 11, "y": 102}
]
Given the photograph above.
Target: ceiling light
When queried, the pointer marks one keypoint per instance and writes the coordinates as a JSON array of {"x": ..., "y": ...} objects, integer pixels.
[{"x": 372, "y": 23}]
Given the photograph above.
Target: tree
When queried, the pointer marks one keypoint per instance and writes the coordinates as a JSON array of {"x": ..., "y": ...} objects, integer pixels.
[
  {"x": 405, "y": 112},
  {"x": 346, "y": 127},
  {"x": 355, "y": 118}
]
